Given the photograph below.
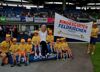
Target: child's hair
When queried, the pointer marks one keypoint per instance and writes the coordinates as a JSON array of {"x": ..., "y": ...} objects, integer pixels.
[
  {"x": 49, "y": 31},
  {"x": 14, "y": 39},
  {"x": 36, "y": 32},
  {"x": 22, "y": 40},
  {"x": 29, "y": 39},
  {"x": 57, "y": 39}
]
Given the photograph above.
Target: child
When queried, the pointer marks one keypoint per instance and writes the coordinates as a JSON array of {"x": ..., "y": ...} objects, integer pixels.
[
  {"x": 57, "y": 48},
  {"x": 36, "y": 43},
  {"x": 50, "y": 41},
  {"x": 65, "y": 48},
  {"x": 22, "y": 52},
  {"x": 29, "y": 47},
  {"x": 4, "y": 48},
  {"x": 94, "y": 36},
  {"x": 13, "y": 50}
]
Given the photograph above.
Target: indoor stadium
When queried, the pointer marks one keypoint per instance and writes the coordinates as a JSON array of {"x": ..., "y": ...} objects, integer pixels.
[{"x": 49, "y": 36}]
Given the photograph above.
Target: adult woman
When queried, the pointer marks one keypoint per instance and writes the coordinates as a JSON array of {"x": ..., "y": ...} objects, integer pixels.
[{"x": 43, "y": 34}]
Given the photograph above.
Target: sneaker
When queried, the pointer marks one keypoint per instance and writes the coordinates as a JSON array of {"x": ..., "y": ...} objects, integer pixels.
[
  {"x": 19, "y": 64},
  {"x": 88, "y": 52},
  {"x": 46, "y": 56},
  {"x": 12, "y": 65},
  {"x": 63, "y": 59},
  {"x": 40, "y": 56},
  {"x": 2, "y": 64},
  {"x": 92, "y": 53},
  {"x": 26, "y": 64}
]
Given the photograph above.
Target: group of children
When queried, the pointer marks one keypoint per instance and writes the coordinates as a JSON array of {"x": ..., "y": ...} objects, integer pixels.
[
  {"x": 61, "y": 48},
  {"x": 21, "y": 50},
  {"x": 32, "y": 46}
]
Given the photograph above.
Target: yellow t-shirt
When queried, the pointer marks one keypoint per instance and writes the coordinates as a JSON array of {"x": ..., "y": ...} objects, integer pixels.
[
  {"x": 64, "y": 45},
  {"x": 13, "y": 48},
  {"x": 36, "y": 40},
  {"x": 22, "y": 47},
  {"x": 5, "y": 46},
  {"x": 28, "y": 47},
  {"x": 50, "y": 38},
  {"x": 94, "y": 32},
  {"x": 57, "y": 46}
]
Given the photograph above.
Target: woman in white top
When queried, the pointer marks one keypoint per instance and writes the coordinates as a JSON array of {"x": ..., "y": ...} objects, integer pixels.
[{"x": 43, "y": 34}]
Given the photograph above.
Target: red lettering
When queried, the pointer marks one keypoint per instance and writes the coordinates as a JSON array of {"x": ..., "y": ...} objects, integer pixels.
[{"x": 83, "y": 26}]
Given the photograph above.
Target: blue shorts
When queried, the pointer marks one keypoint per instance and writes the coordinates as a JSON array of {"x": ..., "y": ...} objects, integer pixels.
[{"x": 93, "y": 40}]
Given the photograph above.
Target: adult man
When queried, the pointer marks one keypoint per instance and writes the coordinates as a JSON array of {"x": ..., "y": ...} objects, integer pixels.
[{"x": 43, "y": 34}]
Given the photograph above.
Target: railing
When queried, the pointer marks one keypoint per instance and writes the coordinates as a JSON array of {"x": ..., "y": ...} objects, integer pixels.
[{"x": 27, "y": 19}]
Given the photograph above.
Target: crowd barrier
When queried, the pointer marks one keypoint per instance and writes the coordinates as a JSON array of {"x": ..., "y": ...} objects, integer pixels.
[{"x": 27, "y": 19}]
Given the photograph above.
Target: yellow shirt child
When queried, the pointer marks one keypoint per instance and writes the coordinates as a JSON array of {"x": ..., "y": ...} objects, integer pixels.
[
  {"x": 29, "y": 45},
  {"x": 14, "y": 47},
  {"x": 64, "y": 45},
  {"x": 50, "y": 37},
  {"x": 57, "y": 45},
  {"x": 36, "y": 39},
  {"x": 94, "y": 32},
  {"x": 5, "y": 45},
  {"x": 22, "y": 47}
]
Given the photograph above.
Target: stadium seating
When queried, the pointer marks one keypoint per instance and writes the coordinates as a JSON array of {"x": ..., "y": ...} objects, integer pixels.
[{"x": 10, "y": 11}]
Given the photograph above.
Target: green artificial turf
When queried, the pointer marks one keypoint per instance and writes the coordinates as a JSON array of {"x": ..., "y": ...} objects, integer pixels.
[{"x": 96, "y": 58}]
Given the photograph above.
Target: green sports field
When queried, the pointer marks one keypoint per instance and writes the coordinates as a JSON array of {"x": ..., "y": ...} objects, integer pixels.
[{"x": 96, "y": 58}]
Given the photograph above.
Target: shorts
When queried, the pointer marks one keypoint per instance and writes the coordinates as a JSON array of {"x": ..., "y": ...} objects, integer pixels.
[
  {"x": 59, "y": 51},
  {"x": 93, "y": 40},
  {"x": 64, "y": 51},
  {"x": 22, "y": 53},
  {"x": 7, "y": 54}
]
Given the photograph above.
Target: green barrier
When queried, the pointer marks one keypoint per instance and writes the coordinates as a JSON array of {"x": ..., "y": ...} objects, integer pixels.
[{"x": 2, "y": 19}]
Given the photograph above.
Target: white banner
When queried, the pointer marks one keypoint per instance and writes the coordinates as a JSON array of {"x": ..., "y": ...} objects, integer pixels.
[{"x": 65, "y": 27}]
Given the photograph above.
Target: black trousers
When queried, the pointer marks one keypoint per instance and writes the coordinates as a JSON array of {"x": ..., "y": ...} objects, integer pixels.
[{"x": 44, "y": 49}]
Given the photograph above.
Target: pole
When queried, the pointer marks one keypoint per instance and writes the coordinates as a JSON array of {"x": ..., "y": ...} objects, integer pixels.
[{"x": 64, "y": 5}]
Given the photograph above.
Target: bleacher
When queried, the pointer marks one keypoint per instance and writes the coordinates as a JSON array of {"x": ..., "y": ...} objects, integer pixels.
[{"x": 10, "y": 11}]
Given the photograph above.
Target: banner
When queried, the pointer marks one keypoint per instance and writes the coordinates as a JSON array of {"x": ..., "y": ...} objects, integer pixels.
[
  {"x": 65, "y": 27},
  {"x": 40, "y": 20},
  {"x": 50, "y": 20},
  {"x": 13, "y": 18},
  {"x": 29, "y": 19},
  {"x": 2, "y": 19}
]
